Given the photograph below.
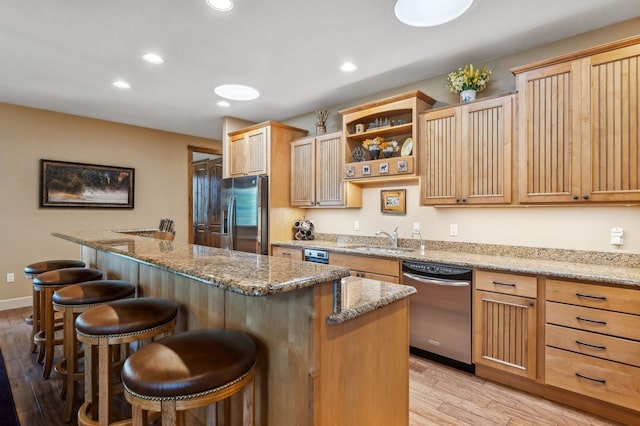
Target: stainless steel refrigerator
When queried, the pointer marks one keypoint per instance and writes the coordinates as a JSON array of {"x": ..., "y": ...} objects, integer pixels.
[{"x": 245, "y": 214}]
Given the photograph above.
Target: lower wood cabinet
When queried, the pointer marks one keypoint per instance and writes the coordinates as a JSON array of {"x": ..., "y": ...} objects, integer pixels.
[
  {"x": 505, "y": 322},
  {"x": 592, "y": 338},
  {"x": 376, "y": 268}
]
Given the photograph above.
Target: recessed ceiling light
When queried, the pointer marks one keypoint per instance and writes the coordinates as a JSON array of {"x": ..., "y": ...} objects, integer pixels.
[
  {"x": 429, "y": 13},
  {"x": 221, "y": 5},
  {"x": 121, "y": 84},
  {"x": 348, "y": 67},
  {"x": 223, "y": 104},
  {"x": 152, "y": 58},
  {"x": 237, "y": 92}
]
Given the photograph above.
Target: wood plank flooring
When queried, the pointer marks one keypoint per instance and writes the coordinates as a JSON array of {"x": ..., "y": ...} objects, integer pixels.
[{"x": 439, "y": 395}]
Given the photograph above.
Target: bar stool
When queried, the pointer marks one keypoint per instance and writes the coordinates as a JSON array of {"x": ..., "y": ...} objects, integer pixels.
[
  {"x": 72, "y": 300},
  {"x": 188, "y": 370},
  {"x": 101, "y": 328},
  {"x": 46, "y": 283},
  {"x": 30, "y": 271}
]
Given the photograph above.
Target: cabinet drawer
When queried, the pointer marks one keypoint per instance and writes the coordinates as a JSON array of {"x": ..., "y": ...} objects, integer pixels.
[
  {"x": 289, "y": 253},
  {"x": 594, "y": 296},
  {"x": 609, "y": 381},
  {"x": 584, "y": 342},
  {"x": 594, "y": 320},
  {"x": 379, "y": 277},
  {"x": 498, "y": 282},
  {"x": 374, "y": 265}
]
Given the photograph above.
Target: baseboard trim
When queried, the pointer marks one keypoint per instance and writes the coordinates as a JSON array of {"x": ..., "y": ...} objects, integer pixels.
[{"x": 18, "y": 302}]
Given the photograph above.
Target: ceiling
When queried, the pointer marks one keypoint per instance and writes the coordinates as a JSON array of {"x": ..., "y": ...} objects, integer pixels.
[{"x": 63, "y": 55}]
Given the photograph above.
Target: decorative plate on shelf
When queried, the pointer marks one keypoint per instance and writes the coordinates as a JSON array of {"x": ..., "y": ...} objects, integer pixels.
[
  {"x": 407, "y": 147},
  {"x": 359, "y": 154}
]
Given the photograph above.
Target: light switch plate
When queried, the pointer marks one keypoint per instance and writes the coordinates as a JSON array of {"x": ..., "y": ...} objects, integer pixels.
[{"x": 453, "y": 230}]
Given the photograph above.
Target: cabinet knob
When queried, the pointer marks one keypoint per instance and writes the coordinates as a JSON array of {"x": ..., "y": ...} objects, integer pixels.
[
  {"x": 586, "y": 196},
  {"x": 575, "y": 197},
  {"x": 531, "y": 303},
  {"x": 457, "y": 200},
  {"x": 464, "y": 200}
]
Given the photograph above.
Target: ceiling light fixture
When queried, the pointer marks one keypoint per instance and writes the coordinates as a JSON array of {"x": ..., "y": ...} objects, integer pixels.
[
  {"x": 152, "y": 58},
  {"x": 429, "y": 13},
  {"x": 221, "y": 5},
  {"x": 224, "y": 104},
  {"x": 121, "y": 84},
  {"x": 348, "y": 67},
  {"x": 237, "y": 92}
]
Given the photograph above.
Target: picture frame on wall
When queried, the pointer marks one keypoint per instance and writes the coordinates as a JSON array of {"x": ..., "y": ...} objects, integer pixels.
[
  {"x": 393, "y": 201},
  {"x": 80, "y": 185}
]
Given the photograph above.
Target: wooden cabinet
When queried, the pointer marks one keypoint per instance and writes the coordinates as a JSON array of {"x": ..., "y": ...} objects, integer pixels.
[
  {"x": 592, "y": 337},
  {"x": 578, "y": 126},
  {"x": 316, "y": 173},
  {"x": 465, "y": 153},
  {"x": 505, "y": 322},
  {"x": 253, "y": 149},
  {"x": 394, "y": 118},
  {"x": 376, "y": 268},
  {"x": 287, "y": 252}
]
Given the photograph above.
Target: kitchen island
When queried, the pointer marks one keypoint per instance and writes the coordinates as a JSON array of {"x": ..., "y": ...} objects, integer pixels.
[{"x": 332, "y": 351}]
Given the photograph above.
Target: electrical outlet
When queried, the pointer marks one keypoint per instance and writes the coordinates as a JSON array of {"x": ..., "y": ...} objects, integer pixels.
[
  {"x": 10, "y": 277},
  {"x": 453, "y": 230},
  {"x": 356, "y": 225},
  {"x": 416, "y": 226},
  {"x": 616, "y": 236}
]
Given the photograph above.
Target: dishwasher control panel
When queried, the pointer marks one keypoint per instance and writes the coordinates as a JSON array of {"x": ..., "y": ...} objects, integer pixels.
[{"x": 434, "y": 268}]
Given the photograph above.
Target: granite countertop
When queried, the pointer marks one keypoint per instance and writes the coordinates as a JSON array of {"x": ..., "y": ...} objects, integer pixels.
[
  {"x": 608, "y": 268},
  {"x": 236, "y": 271}
]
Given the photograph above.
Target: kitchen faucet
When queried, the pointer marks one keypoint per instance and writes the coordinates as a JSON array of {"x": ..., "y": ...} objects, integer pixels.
[
  {"x": 393, "y": 238},
  {"x": 417, "y": 231}
]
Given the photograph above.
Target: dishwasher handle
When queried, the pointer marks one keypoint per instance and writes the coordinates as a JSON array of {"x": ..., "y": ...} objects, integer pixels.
[{"x": 436, "y": 281}]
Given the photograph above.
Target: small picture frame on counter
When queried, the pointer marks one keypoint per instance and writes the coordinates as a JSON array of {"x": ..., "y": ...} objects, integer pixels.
[
  {"x": 350, "y": 171},
  {"x": 392, "y": 201},
  {"x": 402, "y": 166},
  {"x": 366, "y": 169},
  {"x": 384, "y": 168}
]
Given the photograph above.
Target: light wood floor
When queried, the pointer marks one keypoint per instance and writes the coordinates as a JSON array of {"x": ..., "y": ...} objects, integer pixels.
[{"x": 439, "y": 395}]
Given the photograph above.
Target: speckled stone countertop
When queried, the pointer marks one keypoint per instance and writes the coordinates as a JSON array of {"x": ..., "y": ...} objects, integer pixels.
[
  {"x": 357, "y": 296},
  {"x": 610, "y": 268},
  {"x": 246, "y": 273}
]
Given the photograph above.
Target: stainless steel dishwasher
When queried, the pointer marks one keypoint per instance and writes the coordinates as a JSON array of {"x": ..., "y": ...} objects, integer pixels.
[{"x": 440, "y": 312}]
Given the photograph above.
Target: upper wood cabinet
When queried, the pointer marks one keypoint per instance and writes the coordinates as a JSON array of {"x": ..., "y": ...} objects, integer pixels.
[
  {"x": 393, "y": 118},
  {"x": 465, "y": 153},
  {"x": 252, "y": 150},
  {"x": 316, "y": 173},
  {"x": 578, "y": 134}
]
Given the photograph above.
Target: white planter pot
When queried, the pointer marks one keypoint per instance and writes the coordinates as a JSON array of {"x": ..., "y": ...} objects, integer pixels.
[{"x": 467, "y": 95}]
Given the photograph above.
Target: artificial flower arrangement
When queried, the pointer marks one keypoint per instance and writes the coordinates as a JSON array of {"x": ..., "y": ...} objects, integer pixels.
[
  {"x": 468, "y": 78},
  {"x": 368, "y": 143},
  {"x": 391, "y": 145}
]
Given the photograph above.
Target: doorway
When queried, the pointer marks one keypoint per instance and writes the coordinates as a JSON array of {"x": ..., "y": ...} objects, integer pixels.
[{"x": 205, "y": 182}]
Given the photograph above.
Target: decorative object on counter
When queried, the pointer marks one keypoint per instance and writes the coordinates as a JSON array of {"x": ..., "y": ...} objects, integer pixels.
[
  {"x": 366, "y": 169},
  {"x": 321, "y": 124},
  {"x": 393, "y": 201},
  {"x": 350, "y": 171},
  {"x": 167, "y": 225},
  {"x": 407, "y": 147},
  {"x": 384, "y": 168},
  {"x": 65, "y": 184},
  {"x": 303, "y": 229},
  {"x": 467, "y": 81},
  {"x": 402, "y": 166},
  {"x": 359, "y": 128},
  {"x": 389, "y": 147},
  {"x": 359, "y": 154}
]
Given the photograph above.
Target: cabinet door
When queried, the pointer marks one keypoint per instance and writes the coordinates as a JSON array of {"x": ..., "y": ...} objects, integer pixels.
[
  {"x": 504, "y": 332},
  {"x": 328, "y": 170},
  {"x": 303, "y": 172},
  {"x": 440, "y": 157},
  {"x": 236, "y": 153},
  {"x": 614, "y": 142},
  {"x": 257, "y": 147},
  {"x": 486, "y": 151},
  {"x": 549, "y": 133}
]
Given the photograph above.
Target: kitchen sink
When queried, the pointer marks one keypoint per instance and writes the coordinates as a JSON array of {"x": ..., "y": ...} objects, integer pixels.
[{"x": 373, "y": 249}]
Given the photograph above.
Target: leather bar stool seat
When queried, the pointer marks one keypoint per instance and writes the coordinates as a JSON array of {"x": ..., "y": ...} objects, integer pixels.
[
  {"x": 101, "y": 328},
  {"x": 190, "y": 369},
  {"x": 72, "y": 300},
  {"x": 46, "y": 284},
  {"x": 30, "y": 271}
]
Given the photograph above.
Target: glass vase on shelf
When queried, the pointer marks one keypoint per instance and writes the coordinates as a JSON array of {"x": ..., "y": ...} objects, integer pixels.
[
  {"x": 387, "y": 152},
  {"x": 374, "y": 152}
]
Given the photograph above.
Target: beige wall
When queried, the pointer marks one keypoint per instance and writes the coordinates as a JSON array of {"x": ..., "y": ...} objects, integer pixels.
[
  {"x": 27, "y": 135},
  {"x": 582, "y": 228}
]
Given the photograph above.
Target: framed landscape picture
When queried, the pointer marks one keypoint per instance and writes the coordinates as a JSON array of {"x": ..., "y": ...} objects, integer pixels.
[
  {"x": 393, "y": 201},
  {"x": 65, "y": 184}
]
